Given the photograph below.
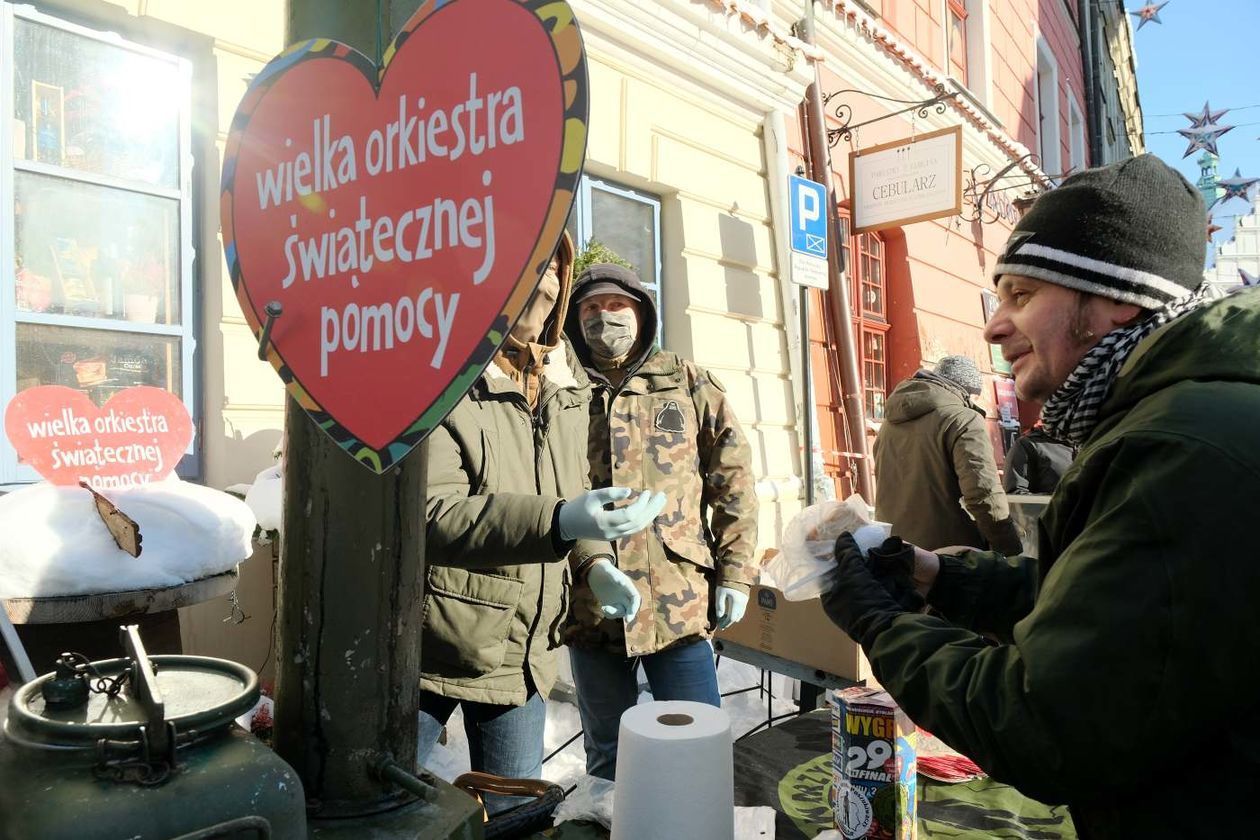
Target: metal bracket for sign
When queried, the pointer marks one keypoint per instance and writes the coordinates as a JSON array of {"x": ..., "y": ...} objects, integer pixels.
[
  {"x": 844, "y": 112},
  {"x": 976, "y": 191},
  {"x": 273, "y": 310}
]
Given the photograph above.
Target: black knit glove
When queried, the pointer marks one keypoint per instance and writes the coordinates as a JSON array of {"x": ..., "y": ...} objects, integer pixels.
[
  {"x": 858, "y": 603},
  {"x": 893, "y": 566}
]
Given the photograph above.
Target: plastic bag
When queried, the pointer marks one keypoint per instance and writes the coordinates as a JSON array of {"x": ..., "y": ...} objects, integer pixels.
[{"x": 805, "y": 566}]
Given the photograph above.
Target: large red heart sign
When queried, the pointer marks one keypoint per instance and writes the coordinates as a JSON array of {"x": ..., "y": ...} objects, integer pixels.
[
  {"x": 138, "y": 436},
  {"x": 402, "y": 216}
]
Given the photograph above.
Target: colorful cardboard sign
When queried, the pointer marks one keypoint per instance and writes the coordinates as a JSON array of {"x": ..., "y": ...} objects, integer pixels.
[
  {"x": 402, "y": 216},
  {"x": 136, "y": 438}
]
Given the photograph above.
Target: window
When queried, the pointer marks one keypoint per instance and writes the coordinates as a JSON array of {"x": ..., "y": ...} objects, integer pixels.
[
  {"x": 94, "y": 164},
  {"x": 967, "y": 48},
  {"x": 867, "y": 304},
  {"x": 956, "y": 23},
  {"x": 1048, "y": 109},
  {"x": 1076, "y": 135},
  {"x": 627, "y": 221}
]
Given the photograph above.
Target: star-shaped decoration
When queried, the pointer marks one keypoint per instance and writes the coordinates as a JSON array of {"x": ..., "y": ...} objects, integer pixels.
[
  {"x": 1203, "y": 137},
  {"x": 1247, "y": 278},
  {"x": 1235, "y": 187},
  {"x": 1149, "y": 13},
  {"x": 1208, "y": 117},
  {"x": 1212, "y": 228}
]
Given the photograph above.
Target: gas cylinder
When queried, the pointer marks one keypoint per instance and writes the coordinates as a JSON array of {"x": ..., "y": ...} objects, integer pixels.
[{"x": 145, "y": 748}]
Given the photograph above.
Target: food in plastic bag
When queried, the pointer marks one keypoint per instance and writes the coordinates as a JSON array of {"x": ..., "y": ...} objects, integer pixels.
[{"x": 805, "y": 566}]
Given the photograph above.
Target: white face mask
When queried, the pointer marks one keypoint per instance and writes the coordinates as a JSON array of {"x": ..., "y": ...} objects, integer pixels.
[{"x": 611, "y": 335}]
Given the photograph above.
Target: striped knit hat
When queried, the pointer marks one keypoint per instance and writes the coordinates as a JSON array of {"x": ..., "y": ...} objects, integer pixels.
[{"x": 1132, "y": 231}]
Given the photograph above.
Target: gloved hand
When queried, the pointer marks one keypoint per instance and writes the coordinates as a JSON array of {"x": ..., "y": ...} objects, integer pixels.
[
  {"x": 586, "y": 517},
  {"x": 729, "y": 606},
  {"x": 857, "y": 603},
  {"x": 617, "y": 595},
  {"x": 892, "y": 564}
]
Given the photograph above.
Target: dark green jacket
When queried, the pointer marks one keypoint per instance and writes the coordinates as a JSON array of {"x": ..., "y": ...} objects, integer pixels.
[
  {"x": 497, "y": 597},
  {"x": 937, "y": 481},
  {"x": 1126, "y": 681}
]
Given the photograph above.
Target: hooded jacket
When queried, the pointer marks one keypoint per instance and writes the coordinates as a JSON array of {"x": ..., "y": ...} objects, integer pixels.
[
  {"x": 932, "y": 449},
  {"x": 497, "y": 594},
  {"x": 667, "y": 426},
  {"x": 1126, "y": 685},
  {"x": 1036, "y": 462}
]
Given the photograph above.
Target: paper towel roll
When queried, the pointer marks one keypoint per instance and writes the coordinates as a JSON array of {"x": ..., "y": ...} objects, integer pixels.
[{"x": 674, "y": 773}]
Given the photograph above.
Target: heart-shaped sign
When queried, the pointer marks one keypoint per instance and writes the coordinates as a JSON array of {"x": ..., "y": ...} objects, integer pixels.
[
  {"x": 137, "y": 437},
  {"x": 402, "y": 216}
]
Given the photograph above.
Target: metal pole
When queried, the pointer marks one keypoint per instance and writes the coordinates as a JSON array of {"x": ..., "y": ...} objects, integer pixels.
[
  {"x": 807, "y": 400},
  {"x": 351, "y": 575},
  {"x": 850, "y": 379}
]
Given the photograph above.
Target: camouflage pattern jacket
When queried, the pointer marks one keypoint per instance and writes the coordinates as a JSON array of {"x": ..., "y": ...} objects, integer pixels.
[{"x": 670, "y": 428}]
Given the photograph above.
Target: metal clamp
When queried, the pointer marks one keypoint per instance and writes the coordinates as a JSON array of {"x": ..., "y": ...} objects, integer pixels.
[{"x": 273, "y": 310}]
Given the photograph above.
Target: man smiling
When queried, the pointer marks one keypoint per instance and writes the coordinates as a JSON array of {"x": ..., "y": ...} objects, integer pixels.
[{"x": 1113, "y": 673}]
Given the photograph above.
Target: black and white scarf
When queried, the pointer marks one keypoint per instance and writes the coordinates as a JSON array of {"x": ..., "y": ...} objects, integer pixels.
[{"x": 1071, "y": 412}]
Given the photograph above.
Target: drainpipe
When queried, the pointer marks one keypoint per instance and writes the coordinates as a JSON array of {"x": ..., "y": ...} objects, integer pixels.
[
  {"x": 837, "y": 297},
  {"x": 1089, "y": 58}
]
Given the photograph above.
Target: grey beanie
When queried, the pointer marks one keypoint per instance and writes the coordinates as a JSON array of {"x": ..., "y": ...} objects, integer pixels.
[
  {"x": 961, "y": 371},
  {"x": 1132, "y": 231}
]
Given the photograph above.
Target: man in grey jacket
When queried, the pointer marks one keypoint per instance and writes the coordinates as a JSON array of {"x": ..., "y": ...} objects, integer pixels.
[{"x": 937, "y": 480}]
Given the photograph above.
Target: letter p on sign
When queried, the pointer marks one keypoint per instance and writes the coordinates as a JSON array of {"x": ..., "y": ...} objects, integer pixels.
[{"x": 806, "y": 209}]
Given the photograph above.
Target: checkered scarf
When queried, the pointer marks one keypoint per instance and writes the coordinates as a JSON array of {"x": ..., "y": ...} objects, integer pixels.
[{"x": 1071, "y": 412}]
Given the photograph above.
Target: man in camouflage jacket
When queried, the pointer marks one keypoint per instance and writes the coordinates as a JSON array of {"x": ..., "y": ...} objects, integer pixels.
[{"x": 660, "y": 422}]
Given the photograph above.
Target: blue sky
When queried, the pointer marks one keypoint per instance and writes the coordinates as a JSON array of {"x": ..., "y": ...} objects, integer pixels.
[{"x": 1202, "y": 50}]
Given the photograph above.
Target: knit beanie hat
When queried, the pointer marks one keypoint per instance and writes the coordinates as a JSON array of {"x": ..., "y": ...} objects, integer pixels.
[
  {"x": 961, "y": 371},
  {"x": 1131, "y": 231}
]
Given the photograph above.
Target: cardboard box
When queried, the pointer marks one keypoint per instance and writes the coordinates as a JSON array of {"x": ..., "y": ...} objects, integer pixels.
[{"x": 798, "y": 631}]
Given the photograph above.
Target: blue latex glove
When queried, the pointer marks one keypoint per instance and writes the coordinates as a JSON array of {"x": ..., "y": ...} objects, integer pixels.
[
  {"x": 730, "y": 606},
  {"x": 586, "y": 517},
  {"x": 616, "y": 593}
]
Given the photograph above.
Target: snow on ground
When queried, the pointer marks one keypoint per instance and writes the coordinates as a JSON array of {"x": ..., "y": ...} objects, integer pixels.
[
  {"x": 746, "y": 710},
  {"x": 56, "y": 544}
]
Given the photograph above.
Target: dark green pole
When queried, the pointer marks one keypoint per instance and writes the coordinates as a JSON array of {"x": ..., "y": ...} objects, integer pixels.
[{"x": 351, "y": 565}]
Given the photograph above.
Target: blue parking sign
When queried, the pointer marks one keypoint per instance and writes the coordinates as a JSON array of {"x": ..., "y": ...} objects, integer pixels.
[{"x": 808, "y": 217}]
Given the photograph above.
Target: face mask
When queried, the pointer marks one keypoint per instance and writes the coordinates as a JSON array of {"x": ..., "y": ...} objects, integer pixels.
[
  {"x": 611, "y": 334},
  {"x": 530, "y": 325}
]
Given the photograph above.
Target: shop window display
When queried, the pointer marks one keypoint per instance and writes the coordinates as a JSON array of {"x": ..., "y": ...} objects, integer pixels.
[{"x": 99, "y": 295}]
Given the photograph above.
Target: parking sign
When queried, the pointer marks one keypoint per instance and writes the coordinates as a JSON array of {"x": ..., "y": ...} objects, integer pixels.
[{"x": 807, "y": 215}]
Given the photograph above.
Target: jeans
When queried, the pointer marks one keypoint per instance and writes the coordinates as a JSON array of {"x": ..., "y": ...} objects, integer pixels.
[
  {"x": 607, "y": 685},
  {"x": 503, "y": 740}
]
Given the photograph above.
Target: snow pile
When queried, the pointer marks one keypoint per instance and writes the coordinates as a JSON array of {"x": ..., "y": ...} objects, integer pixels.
[
  {"x": 56, "y": 544},
  {"x": 265, "y": 498}
]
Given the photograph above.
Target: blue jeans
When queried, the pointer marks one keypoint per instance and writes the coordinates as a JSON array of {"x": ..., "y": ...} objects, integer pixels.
[
  {"x": 504, "y": 740},
  {"x": 607, "y": 685}
]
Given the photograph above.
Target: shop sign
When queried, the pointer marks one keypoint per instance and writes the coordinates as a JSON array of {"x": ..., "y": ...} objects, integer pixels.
[
  {"x": 907, "y": 181},
  {"x": 989, "y": 303},
  {"x": 403, "y": 215},
  {"x": 137, "y": 437},
  {"x": 1007, "y": 404}
]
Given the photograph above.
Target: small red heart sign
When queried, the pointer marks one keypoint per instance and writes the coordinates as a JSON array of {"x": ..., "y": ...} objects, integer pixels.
[
  {"x": 401, "y": 216},
  {"x": 137, "y": 437}
]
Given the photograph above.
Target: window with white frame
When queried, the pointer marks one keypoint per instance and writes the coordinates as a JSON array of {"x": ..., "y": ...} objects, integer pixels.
[
  {"x": 96, "y": 184},
  {"x": 1076, "y": 135},
  {"x": 1048, "y": 109},
  {"x": 628, "y": 222}
]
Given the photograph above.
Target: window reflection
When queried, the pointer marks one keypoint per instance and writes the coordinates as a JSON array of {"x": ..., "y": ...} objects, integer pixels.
[
  {"x": 96, "y": 362},
  {"x": 90, "y": 106}
]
